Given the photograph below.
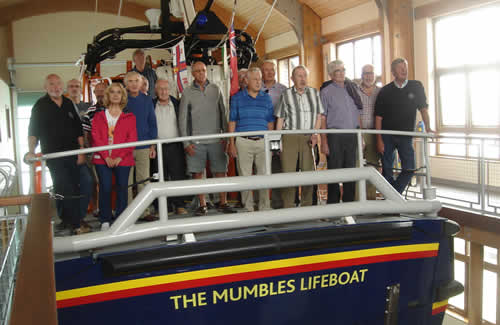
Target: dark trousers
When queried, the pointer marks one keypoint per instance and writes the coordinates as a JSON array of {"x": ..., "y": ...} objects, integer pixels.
[
  {"x": 404, "y": 146},
  {"x": 174, "y": 168},
  {"x": 105, "y": 175},
  {"x": 66, "y": 180},
  {"x": 343, "y": 148},
  {"x": 86, "y": 186}
]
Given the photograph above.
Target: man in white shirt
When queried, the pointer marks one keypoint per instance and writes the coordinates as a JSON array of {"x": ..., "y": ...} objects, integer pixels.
[{"x": 174, "y": 163}]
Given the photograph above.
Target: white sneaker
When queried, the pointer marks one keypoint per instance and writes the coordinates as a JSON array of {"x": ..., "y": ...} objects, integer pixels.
[{"x": 104, "y": 226}]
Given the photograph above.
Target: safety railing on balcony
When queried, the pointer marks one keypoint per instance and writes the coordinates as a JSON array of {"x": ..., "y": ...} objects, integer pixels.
[{"x": 465, "y": 173}]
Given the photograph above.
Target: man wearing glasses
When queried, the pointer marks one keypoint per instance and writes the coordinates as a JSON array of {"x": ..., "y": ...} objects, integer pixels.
[{"x": 341, "y": 112}]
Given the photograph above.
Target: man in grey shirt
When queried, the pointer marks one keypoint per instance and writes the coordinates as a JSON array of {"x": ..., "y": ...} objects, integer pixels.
[
  {"x": 341, "y": 113},
  {"x": 202, "y": 111}
]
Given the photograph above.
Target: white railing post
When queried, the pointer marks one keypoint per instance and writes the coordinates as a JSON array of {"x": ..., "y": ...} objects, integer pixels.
[
  {"x": 268, "y": 154},
  {"x": 162, "y": 200},
  {"x": 429, "y": 191},
  {"x": 482, "y": 176},
  {"x": 361, "y": 182}
]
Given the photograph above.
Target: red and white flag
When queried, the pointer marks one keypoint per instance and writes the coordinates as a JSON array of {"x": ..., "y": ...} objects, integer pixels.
[
  {"x": 180, "y": 67},
  {"x": 233, "y": 62}
]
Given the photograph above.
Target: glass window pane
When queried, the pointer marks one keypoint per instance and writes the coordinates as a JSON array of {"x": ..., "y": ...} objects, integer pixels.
[
  {"x": 377, "y": 55},
  {"x": 283, "y": 72},
  {"x": 480, "y": 48},
  {"x": 485, "y": 104},
  {"x": 459, "y": 301},
  {"x": 489, "y": 296},
  {"x": 452, "y": 98},
  {"x": 490, "y": 255},
  {"x": 452, "y": 149},
  {"x": 346, "y": 55},
  {"x": 459, "y": 245},
  {"x": 450, "y": 49},
  {"x": 363, "y": 54}
]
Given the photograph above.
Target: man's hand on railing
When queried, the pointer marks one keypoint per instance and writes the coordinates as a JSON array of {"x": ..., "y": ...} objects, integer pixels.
[{"x": 27, "y": 158}]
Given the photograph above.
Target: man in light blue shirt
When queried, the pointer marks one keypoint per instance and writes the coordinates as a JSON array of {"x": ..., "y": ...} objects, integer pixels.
[{"x": 341, "y": 113}]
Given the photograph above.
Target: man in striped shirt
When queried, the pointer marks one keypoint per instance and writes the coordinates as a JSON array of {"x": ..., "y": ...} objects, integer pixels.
[
  {"x": 299, "y": 108},
  {"x": 368, "y": 92}
]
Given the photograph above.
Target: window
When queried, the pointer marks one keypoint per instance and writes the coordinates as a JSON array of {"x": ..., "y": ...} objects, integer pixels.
[
  {"x": 285, "y": 68},
  {"x": 356, "y": 53},
  {"x": 467, "y": 65}
]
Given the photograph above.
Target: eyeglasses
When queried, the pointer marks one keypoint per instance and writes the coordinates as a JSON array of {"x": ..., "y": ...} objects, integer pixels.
[
  {"x": 339, "y": 70},
  {"x": 369, "y": 73}
]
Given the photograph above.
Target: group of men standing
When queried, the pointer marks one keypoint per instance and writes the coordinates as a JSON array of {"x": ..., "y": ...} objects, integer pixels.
[{"x": 261, "y": 104}]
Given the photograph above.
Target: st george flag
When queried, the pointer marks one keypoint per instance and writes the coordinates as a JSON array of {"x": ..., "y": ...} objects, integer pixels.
[
  {"x": 233, "y": 63},
  {"x": 180, "y": 68}
]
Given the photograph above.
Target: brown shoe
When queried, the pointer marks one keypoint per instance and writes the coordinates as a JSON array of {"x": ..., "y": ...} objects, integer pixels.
[
  {"x": 181, "y": 211},
  {"x": 82, "y": 230},
  {"x": 225, "y": 208},
  {"x": 201, "y": 211},
  {"x": 149, "y": 218}
]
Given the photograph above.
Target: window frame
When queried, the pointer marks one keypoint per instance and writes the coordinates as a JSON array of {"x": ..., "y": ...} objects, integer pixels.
[
  {"x": 466, "y": 70},
  {"x": 288, "y": 59},
  {"x": 378, "y": 78}
]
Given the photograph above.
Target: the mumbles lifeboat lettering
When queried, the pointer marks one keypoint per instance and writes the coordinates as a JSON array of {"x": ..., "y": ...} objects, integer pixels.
[{"x": 260, "y": 290}]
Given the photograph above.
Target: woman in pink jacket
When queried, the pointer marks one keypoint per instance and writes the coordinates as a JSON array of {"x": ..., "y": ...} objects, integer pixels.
[{"x": 113, "y": 126}]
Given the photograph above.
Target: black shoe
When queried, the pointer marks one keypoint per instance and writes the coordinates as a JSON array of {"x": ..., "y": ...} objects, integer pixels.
[
  {"x": 62, "y": 226},
  {"x": 201, "y": 211},
  {"x": 225, "y": 208},
  {"x": 210, "y": 206}
]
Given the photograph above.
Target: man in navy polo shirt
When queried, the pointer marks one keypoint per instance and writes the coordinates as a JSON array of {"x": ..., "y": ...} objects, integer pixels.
[
  {"x": 396, "y": 109},
  {"x": 251, "y": 110}
]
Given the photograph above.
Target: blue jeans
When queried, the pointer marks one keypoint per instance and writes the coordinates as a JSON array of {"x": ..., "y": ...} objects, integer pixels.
[
  {"x": 86, "y": 184},
  {"x": 404, "y": 145},
  {"x": 105, "y": 175}
]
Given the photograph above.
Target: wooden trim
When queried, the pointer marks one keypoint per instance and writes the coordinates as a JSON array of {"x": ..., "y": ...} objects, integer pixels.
[
  {"x": 10, "y": 40},
  {"x": 356, "y": 31},
  {"x": 472, "y": 220},
  {"x": 284, "y": 52},
  {"x": 475, "y": 301},
  {"x": 35, "y": 292},
  {"x": 7, "y": 201},
  {"x": 34, "y": 8},
  {"x": 444, "y": 7}
]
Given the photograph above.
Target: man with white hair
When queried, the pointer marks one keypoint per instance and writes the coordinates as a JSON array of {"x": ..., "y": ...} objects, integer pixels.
[
  {"x": 274, "y": 89},
  {"x": 299, "y": 108},
  {"x": 368, "y": 92},
  {"x": 139, "y": 59},
  {"x": 341, "y": 112},
  {"x": 174, "y": 162},
  {"x": 251, "y": 110},
  {"x": 56, "y": 125},
  {"x": 142, "y": 107},
  {"x": 396, "y": 109}
]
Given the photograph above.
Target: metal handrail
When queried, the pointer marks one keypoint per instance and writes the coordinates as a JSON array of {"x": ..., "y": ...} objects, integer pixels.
[
  {"x": 125, "y": 230},
  {"x": 268, "y": 136}
]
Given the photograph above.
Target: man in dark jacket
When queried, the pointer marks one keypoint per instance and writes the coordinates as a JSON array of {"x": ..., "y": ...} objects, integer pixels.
[{"x": 174, "y": 163}]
